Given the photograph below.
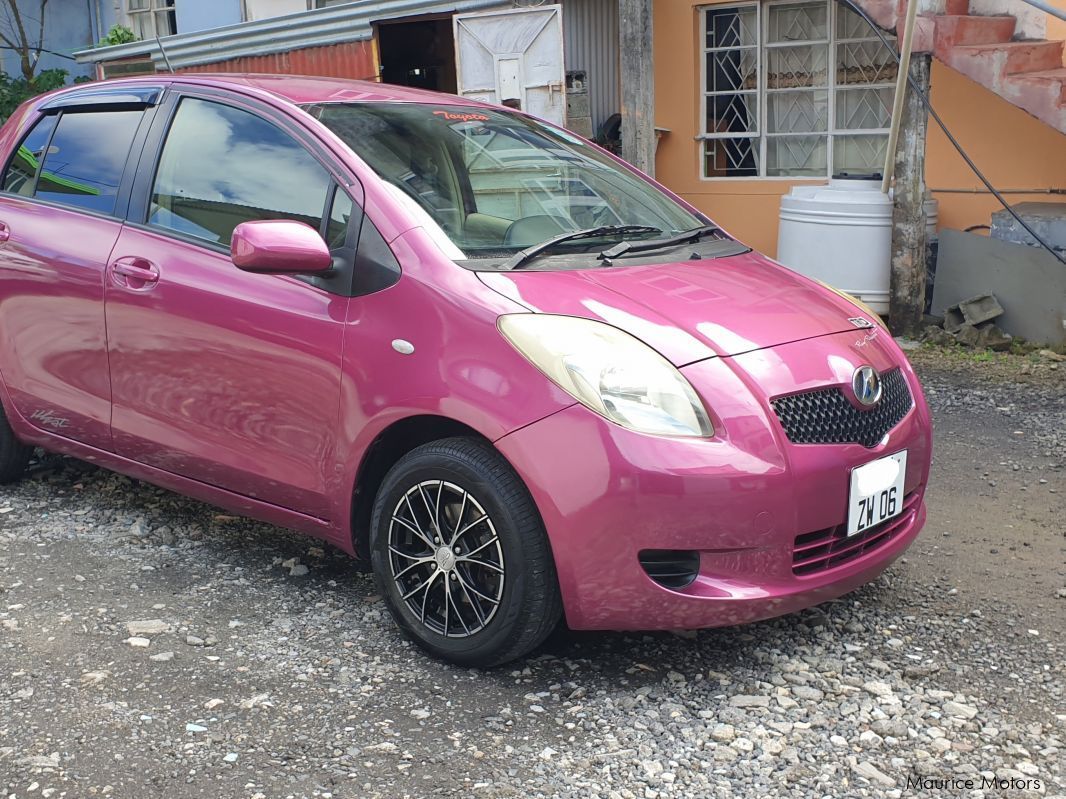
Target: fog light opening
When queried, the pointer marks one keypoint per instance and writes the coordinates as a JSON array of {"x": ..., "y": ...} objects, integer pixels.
[{"x": 670, "y": 568}]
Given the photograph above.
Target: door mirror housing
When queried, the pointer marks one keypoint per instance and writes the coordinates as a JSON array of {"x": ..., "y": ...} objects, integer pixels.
[{"x": 279, "y": 246}]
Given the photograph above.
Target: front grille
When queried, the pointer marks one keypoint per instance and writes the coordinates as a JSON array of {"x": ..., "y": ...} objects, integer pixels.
[
  {"x": 825, "y": 549},
  {"x": 826, "y": 416}
]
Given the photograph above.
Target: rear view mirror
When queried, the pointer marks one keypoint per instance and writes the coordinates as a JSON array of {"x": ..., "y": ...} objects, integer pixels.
[{"x": 281, "y": 246}]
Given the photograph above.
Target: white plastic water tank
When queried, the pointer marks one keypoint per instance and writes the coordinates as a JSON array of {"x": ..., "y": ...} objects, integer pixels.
[{"x": 841, "y": 234}]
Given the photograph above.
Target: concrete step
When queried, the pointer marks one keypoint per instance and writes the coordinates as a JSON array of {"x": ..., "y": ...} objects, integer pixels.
[
  {"x": 954, "y": 30},
  {"x": 1042, "y": 94},
  {"x": 989, "y": 63},
  {"x": 1053, "y": 81}
]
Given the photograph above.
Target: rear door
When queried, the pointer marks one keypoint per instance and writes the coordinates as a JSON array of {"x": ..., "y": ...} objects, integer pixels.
[
  {"x": 63, "y": 193},
  {"x": 219, "y": 375},
  {"x": 514, "y": 58}
]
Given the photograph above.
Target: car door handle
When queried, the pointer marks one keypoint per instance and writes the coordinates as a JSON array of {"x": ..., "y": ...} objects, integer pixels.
[
  {"x": 134, "y": 273},
  {"x": 5, "y": 232}
]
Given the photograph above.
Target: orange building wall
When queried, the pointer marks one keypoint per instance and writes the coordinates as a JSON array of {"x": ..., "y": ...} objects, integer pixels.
[{"x": 1012, "y": 148}]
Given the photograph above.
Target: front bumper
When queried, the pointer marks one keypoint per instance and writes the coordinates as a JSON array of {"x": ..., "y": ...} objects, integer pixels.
[{"x": 740, "y": 498}]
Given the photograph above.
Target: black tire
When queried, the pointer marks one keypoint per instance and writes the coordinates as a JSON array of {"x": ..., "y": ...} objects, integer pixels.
[
  {"x": 511, "y": 539},
  {"x": 14, "y": 455}
]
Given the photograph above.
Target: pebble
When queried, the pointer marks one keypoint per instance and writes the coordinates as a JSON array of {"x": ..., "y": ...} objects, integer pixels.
[
  {"x": 147, "y": 627},
  {"x": 747, "y": 700},
  {"x": 959, "y": 710}
]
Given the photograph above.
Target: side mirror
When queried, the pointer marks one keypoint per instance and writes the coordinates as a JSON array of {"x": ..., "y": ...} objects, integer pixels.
[{"x": 279, "y": 246}]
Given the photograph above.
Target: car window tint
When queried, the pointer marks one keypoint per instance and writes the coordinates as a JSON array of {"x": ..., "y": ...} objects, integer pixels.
[
  {"x": 22, "y": 168},
  {"x": 221, "y": 166},
  {"x": 84, "y": 162},
  {"x": 340, "y": 213}
]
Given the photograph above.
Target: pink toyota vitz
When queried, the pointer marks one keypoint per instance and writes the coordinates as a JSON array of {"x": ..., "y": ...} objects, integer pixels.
[{"x": 520, "y": 378}]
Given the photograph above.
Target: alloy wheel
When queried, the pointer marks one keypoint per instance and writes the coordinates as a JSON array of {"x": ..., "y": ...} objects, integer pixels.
[{"x": 445, "y": 558}]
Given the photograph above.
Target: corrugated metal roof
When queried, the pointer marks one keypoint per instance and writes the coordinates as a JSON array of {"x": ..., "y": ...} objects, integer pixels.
[
  {"x": 347, "y": 60},
  {"x": 332, "y": 25}
]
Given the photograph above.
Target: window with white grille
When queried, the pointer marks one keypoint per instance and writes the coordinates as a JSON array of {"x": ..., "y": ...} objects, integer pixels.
[
  {"x": 151, "y": 18},
  {"x": 793, "y": 89}
]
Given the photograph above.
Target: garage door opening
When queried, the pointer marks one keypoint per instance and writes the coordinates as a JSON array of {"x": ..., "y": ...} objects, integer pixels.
[{"x": 418, "y": 53}]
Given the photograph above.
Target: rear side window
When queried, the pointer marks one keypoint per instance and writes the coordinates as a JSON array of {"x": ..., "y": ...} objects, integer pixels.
[
  {"x": 221, "y": 166},
  {"x": 84, "y": 163},
  {"x": 22, "y": 168}
]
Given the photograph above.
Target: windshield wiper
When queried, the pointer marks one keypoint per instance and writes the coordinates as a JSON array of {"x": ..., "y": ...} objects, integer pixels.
[
  {"x": 626, "y": 247},
  {"x": 519, "y": 258}
]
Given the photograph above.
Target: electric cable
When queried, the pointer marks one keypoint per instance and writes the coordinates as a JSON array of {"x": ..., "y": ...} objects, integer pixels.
[{"x": 1061, "y": 257}]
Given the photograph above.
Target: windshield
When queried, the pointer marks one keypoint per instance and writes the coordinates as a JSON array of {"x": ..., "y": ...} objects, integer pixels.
[{"x": 489, "y": 183}]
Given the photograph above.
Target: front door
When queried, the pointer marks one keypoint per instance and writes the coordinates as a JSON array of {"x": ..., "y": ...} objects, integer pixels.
[
  {"x": 223, "y": 376},
  {"x": 58, "y": 208},
  {"x": 514, "y": 58}
]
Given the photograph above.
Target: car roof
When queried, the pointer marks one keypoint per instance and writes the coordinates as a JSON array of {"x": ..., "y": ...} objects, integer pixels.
[{"x": 297, "y": 89}]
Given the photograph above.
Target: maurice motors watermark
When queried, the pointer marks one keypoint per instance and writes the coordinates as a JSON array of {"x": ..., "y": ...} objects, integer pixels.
[{"x": 918, "y": 782}]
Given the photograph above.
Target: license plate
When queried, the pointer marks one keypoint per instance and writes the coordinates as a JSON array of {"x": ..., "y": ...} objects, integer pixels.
[{"x": 876, "y": 493}]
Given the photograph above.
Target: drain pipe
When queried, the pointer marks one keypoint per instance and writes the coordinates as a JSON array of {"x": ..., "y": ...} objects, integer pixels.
[{"x": 901, "y": 91}]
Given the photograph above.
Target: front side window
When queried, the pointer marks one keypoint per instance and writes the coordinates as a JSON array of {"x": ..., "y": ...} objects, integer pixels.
[
  {"x": 151, "y": 18},
  {"x": 221, "y": 166},
  {"x": 490, "y": 182},
  {"x": 84, "y": 163},
  {"x": 793, "y": 89},
  {"x": 22, "y": 168}
]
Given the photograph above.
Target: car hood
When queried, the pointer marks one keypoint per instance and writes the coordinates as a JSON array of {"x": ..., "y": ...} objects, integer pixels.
[{"x": 689, "y": 310}]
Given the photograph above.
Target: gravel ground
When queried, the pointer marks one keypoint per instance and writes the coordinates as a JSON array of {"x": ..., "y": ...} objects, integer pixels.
[{"x": 152, "y": 646}]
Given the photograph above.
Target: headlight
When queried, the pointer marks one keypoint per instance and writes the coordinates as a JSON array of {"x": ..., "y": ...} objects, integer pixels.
[{"x": 611, "y": 372}]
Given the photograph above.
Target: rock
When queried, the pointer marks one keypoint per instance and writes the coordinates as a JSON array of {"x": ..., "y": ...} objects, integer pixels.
[
  {"x": 877, "y": 688},
  {"x": 298, "y": 570},
  {"x": 747, "y": 700},
  {"x": 384, "y": 746},
  {"x": 137, "y": 641},
  {"x": 991, "y": 337},
  {"x": 869, "y": 739},
  {"x": 162, "y": 657},
  {"x": 211, "y": 704},
  {"x": 147, "y": 627},
  {"x": 969, "y": 335},
  {"x": 420, "y": 713},
  {"x": 723, "y": 733},
  {"x": 1051, "y": 355},
  {"x": 195, "y": 728},
  {"x": 938, "y": 336},
  {"x": 808, "y": 693},
  {"x": 193, "y": 640},
  {"x": 838, "y": 740},
  {"x": 94, "y": 677},
  {"x": 653, "y": 768},
  {"x": 259, "y": 700},
  {"x": 873, "y": 774},
  {"x": 231, "y": 757},
  {"x": 959, "y": 710}
]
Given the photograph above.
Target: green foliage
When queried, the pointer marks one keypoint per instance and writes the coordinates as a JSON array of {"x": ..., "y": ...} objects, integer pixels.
[
  {"x": 14, "y": 91},
  {"x": 119, "y": 34}
]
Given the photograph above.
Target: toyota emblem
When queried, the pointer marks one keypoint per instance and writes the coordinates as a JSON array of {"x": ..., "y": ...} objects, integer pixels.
[{"x": 866, "y": 384}]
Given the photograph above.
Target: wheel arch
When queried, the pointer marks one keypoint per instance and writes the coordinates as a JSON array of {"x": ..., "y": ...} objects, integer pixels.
[{"x": 391, "y": 444}]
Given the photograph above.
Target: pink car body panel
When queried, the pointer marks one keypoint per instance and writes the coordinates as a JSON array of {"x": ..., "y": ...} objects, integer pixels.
[{"x": 263, "y": 393}]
